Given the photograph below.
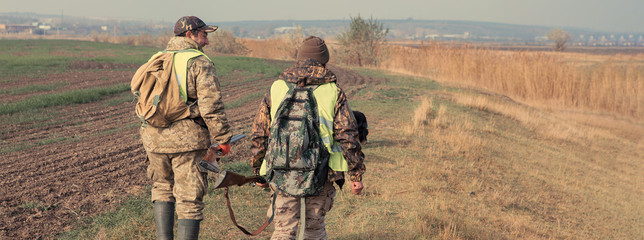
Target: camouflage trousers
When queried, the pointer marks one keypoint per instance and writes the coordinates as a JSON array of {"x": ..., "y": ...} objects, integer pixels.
[
  {"x": 287, "y": 214},
  {"x": 177, "y": 177}
]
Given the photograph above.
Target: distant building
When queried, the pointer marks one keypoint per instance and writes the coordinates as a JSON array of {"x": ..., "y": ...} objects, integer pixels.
[
  {"x": 282, "y": 30},
  {"x": 17, "y": 28}
]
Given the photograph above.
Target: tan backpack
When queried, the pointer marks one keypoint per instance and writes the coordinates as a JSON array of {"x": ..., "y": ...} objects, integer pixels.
[{"x": 157, "y": 90}]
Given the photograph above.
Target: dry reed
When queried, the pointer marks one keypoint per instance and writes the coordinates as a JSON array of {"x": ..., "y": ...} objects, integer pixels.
[
  {"x": 140, "y": 40},
  {"x": 274, "y": 48},
  {"x": 542, "y": 78}
]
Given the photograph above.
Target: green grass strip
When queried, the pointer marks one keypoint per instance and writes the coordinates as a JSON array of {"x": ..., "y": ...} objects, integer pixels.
[
  {"x": 227, "y": 65},
  {"x": 134, "y": 218},
  {"x": 63, "y": 98},
  {"x": 33, "y": 88},
  {"x": 32, "y": 58},
  {"x": 121, "y": 98},
  {"x": 131, "y": 220},
  {"x": 22, "y": 146},
  {"x": 243, "y": 100}
]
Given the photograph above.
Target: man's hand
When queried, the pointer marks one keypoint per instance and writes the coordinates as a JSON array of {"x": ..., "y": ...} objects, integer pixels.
[
  {"x": 224, "y": 148},
  {"x": 356, "y": 188},
  {"x": 261, "y": 182}
]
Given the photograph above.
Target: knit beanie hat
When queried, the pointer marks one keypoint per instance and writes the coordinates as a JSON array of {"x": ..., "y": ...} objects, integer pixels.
[{"x": 314, "y": 47}]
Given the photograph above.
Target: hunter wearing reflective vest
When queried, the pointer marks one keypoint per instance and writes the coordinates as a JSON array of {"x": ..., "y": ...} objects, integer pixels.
[
  {"x": 178, "y": 182},
  {"x": 338, "y": 129}
]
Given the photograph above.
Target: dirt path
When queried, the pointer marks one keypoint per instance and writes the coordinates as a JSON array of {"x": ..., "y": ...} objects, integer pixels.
[{"x": 97, "y": 158}]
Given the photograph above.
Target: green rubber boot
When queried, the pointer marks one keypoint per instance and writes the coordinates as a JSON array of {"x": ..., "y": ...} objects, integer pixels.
[
  {"x": 164, "y": 219},
  {"x": 188, "y": 229}
]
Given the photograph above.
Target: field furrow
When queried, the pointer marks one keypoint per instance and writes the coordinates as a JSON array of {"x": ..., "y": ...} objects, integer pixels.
[{"x": 65, "y": 162}]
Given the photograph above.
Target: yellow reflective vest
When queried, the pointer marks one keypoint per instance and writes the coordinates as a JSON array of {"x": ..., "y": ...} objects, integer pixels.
[
  {"x": 180, "y": 60},
  {"x": 326, "y": 95}
]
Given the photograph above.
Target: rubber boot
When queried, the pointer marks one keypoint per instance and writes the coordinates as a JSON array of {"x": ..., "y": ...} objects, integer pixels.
[
  {"x": 188, "y": 229},
  {"x": 164, "y": 219}
]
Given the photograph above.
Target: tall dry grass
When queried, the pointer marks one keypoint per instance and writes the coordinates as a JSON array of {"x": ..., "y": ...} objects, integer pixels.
[
  {"x": 134, "y": 40},
  {"x": 614, "y": 84},
  {"x": 284, "y": 48},
  {"x": 604, "y": 83}
]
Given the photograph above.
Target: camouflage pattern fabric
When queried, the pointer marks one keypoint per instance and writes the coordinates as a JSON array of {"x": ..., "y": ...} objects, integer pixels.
[
  {"x": 287, "y": 214},
  {"x": 190, "y": 23},
  {"x": 174, "y": 151},
  {"x": 345, "y": 128},
  {"x": 297, "y": 160},
  {"x": 207, "y": 115},
  {"x": 177, "y": 178}
]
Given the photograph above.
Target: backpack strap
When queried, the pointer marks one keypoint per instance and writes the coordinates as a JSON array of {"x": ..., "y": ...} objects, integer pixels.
[
  {"x": 302, "y": 227},
  {"x": 261, "y": 228},
  {"x": 289, "y": 98}
]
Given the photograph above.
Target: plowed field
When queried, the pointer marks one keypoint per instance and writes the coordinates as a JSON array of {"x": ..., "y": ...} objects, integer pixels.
[{"x": 84, "y": 159}]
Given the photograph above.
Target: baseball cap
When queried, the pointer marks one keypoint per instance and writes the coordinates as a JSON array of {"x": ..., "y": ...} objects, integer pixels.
[{"x": 189, "y": 23}]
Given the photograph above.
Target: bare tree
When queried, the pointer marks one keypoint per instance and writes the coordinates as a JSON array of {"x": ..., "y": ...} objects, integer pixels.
[
  {"x": 560, "y": 38},
  {"x": 363, "y": 43},
  {"x": 225, "y": 42},
  {"x": 293, "y": 40}
]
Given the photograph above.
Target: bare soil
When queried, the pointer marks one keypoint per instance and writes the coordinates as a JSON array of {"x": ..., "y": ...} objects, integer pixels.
[{"x": 98, "y": 160}]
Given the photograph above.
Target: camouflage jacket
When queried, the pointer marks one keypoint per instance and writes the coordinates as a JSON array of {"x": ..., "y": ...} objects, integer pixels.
[
  {"x": 345, "y": 128},
  {"x": 207, "y": 116}
]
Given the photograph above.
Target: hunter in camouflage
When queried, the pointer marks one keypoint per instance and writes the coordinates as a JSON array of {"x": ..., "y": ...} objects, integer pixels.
[
  {"x": 310, "y": 69},
  {"x": 174, "y": 152},
  {"x": 345, "y": 129}
]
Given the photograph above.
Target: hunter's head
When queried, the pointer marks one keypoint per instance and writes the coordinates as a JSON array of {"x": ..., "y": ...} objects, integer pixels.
[
  {"x": 315, "y": 48},
  {"x": 192, "y": 27}
]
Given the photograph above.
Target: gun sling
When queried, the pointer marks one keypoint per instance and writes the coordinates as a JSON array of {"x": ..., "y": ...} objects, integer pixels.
[{"x": 261, "y": 228}]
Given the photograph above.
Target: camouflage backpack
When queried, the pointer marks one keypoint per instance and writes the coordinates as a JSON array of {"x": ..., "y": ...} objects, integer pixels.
[{"x": 296, "y": 159}]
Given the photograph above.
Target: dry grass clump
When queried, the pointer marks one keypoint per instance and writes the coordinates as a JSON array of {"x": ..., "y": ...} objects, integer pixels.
[
  {"x": 422, "y": 116},
  {"x": 455, "y": 136},
  {"x": 451, "y": 134}
]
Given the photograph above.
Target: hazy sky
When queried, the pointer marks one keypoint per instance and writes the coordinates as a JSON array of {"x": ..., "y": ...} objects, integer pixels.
[{"x": 608, "y": 15}]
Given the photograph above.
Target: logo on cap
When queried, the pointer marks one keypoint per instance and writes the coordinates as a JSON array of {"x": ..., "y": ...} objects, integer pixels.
[{"x": 189, "y": 23}]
